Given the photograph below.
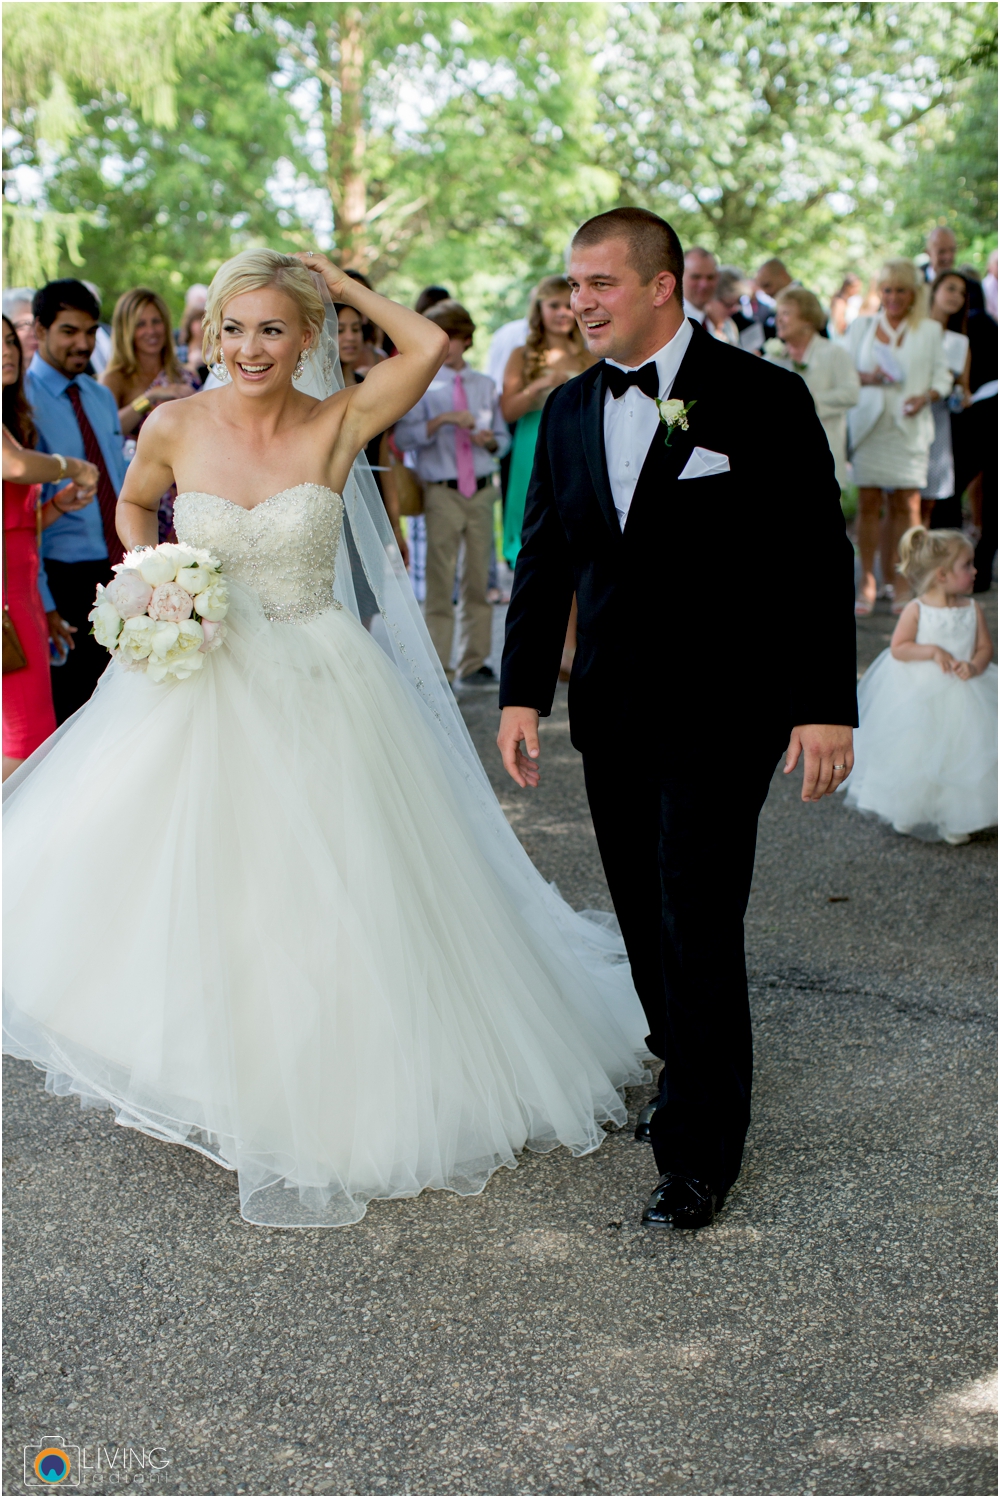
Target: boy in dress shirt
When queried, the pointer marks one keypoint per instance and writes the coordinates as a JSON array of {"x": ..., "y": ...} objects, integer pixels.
[{"x": 456, "y": 431}]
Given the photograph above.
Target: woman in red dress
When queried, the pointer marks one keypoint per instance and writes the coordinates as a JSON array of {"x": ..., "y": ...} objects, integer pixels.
[{"x": 28, "y": 714}]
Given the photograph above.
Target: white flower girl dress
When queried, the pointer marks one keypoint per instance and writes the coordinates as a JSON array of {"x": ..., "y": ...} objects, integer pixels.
[
  {"x": 290, "y": 936},
  {"x": 926, "y": 750}
]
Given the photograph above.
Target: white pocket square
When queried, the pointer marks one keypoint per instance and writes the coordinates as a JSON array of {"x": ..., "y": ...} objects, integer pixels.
[{"x": 702, "y": 462}]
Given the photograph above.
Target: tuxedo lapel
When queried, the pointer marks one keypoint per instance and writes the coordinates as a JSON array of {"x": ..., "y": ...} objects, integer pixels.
[{"x": 592, "y": 422}]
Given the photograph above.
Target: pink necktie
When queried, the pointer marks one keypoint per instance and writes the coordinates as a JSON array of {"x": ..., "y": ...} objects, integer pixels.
[{"x": 464, "y": 462}]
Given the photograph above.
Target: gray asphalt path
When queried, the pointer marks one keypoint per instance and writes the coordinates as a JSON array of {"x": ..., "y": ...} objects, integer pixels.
[{"x": 832, "y": 1333}]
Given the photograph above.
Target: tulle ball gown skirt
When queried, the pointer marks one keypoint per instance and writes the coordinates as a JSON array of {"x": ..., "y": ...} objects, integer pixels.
[
  {"x": 286, "y": 937},
  {"x": 926, "y": 751}
]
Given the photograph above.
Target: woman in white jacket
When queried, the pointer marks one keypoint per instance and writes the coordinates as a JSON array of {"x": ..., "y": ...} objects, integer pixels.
[
  {"x": 903, "y": 370},
  {"x": 826, "y": 367}
]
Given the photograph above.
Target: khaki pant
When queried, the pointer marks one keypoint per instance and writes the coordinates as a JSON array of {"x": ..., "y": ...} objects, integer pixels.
[{"x": 451, "y": 520}]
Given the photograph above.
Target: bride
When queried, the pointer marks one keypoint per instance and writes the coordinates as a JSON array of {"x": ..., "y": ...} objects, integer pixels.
[{"x": 300, "y": 936}]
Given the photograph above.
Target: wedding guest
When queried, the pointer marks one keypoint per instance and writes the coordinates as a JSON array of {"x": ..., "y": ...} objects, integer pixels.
[
  {"x": 102, "y": 343},
  {"x": 990, "y": 285},
  {"x": 845, "y": 304},
  {"x": 353, "y": 358},
  {"x": 826, "y": 367},
  {"x": 28, "y": 712},
  {"x": 189, "y": 350},
  {"x": 377, "y": 346},
  {"x": 940, "y": 506},
  {"x": 926, "y": 750},
  {"x": 430, "y": 296},
  {"x": 723, "y": 312},
  {"x": 553, "y": 353},
  {"x": 17, "y": 309},
  {"x": 508, "y": 337},
  {"x": 456, "y": 430},
  {"x": 771, "y": 279},
  {"x": 900, "y": 359},
  {"x": 941, "y": 246},
  {"x": 144, "y": 372},
  {"x": 701, "y": 272},
  {"x": 974, "y": 435},
  {"x": 76, "y": 417}
]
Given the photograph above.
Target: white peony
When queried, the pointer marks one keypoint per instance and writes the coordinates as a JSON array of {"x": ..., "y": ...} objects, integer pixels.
[
  {"x": 213, "y": 603},
  {"x": 774, "y": 348},
  {"x": 107, "y": 624},
  {"x": 136, "y": 639},
  {"x": 176, "y": 650},
  {"x": 129, "y": 592},
  {"x": 187, "y": 556},
  {"x": 196, "y": 578},
  {"x": 157, "y": 568}
]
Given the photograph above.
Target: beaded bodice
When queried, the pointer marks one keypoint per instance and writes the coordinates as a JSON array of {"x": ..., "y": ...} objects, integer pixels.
[
  {"x": 284, "y": 549},
  {"x": 953, "y": 629}
]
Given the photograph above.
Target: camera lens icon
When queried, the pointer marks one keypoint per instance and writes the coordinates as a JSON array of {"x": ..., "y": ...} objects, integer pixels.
[{"x": 51, "y": 1466}]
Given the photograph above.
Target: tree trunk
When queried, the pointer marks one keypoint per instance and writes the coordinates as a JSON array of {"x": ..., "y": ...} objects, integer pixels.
[{"x": 347, "y": 182}]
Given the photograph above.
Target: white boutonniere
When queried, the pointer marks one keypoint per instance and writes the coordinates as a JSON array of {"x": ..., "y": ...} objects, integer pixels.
[
  {"x": 674, "y": 415},
  {"x": 774, "y": 348}
]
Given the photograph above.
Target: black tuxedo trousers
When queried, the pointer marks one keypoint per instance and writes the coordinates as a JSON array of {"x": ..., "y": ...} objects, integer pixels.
[{"x": 681, "y": 698}]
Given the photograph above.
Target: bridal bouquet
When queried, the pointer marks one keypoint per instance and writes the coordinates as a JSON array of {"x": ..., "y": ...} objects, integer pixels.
[{"x": 162, "y": 612}]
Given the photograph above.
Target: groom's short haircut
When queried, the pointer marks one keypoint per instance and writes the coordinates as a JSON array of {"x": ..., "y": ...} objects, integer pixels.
[{"x": 652, "y": 244}]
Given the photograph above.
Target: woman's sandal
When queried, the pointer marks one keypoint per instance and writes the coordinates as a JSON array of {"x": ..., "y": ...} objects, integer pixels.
[{"x": 863, "y": 607}]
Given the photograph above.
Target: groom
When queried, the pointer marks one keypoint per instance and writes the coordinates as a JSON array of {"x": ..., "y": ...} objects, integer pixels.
[{"x": 683, "y": 696}]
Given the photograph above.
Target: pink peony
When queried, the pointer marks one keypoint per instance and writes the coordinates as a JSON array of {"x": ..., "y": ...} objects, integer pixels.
[
  {"x": 170, "y": 603},
  {"x": 214, "y": 633},
  {"x": 130, "y": 593}
]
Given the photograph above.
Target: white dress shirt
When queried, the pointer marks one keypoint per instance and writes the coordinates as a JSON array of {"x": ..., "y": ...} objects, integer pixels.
[
  {"x": 630, "y": 422},
  {"x": 690, "y": 310},
  {"x": 503, "y": 343}
]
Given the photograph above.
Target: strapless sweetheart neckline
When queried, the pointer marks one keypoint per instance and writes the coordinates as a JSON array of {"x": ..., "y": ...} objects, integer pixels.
[{"x": 249, "y": 509}]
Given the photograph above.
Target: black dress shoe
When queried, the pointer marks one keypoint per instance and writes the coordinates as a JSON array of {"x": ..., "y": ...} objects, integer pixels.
[
  {"x": 481, "y": 678},
  {"x": 643, "y": 1132},
  {"x": 680, "y": 1203}
]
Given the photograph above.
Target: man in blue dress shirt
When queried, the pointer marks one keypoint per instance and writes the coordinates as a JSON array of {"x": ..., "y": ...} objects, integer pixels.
[{"x": 76, "y": 418}]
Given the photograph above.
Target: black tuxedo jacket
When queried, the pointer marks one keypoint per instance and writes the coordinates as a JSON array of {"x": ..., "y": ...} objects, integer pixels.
[{"x": 725, "y": 598}]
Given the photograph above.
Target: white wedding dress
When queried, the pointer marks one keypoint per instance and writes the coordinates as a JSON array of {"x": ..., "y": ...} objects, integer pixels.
[{"x": 256, "y": 913}]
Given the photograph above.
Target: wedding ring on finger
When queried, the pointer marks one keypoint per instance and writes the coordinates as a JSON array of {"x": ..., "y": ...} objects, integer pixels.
[{"x": 840, "y": 767}]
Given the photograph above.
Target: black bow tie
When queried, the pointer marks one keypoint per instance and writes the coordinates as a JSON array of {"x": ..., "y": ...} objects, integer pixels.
[{"x": 647, "y": 378}]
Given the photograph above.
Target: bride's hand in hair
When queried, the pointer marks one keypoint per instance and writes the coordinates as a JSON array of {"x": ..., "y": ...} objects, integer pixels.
[{"x": 337, "y": 281}]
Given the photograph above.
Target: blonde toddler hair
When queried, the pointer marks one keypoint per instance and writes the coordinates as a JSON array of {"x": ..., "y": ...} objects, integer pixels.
[
  {"x": 922, "y": 552},
  {"x": 249, "y": 272}
]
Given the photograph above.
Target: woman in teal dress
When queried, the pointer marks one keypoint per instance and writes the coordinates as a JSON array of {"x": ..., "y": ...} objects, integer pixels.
[{"x": 554, "y": 352}]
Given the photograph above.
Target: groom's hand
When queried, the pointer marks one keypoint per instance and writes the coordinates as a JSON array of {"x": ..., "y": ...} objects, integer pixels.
[
  {"x": 519, "y": 725},
  {"x": 828, "y": 757}
]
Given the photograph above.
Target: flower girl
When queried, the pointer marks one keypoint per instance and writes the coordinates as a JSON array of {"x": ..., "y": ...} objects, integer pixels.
[{"x": 926, "y": 750}]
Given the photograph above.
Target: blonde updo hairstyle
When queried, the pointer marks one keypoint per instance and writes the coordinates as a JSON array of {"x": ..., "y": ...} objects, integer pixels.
[
  {"x": 922, "y": 552},
  {"x": 905, "y": 273},
  {"x": 250, "y": 271}
]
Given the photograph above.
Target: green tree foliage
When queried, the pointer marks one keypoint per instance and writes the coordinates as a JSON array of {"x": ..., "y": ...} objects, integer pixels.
[
  {"x": 461, "y": 143},
  {"x": 155, "y": 184},
  {"x": 788, "y": 129}
]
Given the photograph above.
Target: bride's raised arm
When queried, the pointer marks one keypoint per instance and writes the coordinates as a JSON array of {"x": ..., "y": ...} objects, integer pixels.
[{"x": 395, "y": 385}]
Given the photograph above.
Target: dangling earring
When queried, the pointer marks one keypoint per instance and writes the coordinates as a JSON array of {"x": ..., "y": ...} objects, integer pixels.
[
  {"x": 299, "y": 369},
  {"x": 221, "y": 371}
]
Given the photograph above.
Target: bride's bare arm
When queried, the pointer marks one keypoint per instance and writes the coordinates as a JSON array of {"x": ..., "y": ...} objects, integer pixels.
[
  {"x": 395, "y": 385},
  {"x": 149, "y": 476}
]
